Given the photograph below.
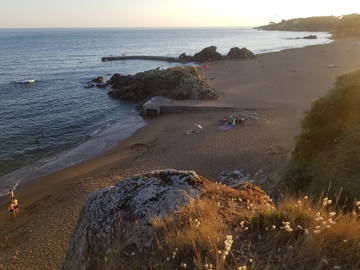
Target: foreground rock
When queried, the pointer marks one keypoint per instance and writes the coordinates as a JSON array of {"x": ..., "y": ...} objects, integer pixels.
[
  {"x": 237, "y": 53},
  {"x": 116, "y": 222},
  {"x": 183, "y": 82}
]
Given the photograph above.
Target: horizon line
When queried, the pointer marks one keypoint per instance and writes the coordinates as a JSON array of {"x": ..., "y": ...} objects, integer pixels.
[{"x": 124, "y": 27}]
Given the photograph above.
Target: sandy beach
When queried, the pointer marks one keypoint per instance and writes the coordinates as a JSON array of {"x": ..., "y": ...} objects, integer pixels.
[{"x": 277, "y": 86}]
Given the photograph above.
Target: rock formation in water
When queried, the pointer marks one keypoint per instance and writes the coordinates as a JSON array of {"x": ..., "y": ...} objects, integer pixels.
[{"x": 183, "y": 82}]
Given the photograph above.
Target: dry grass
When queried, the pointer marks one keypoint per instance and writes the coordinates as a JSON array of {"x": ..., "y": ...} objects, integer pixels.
[
  {"x": 298, "y": 234},
  {"x": 241, "y": 229},
  {"x": 319, "y": 236}
]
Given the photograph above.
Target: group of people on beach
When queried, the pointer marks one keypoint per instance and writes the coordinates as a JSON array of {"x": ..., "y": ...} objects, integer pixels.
[{"x": 13, "y": 204}]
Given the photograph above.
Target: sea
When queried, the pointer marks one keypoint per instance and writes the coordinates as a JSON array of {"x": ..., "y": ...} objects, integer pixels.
[{"x": 56, "y": 122}]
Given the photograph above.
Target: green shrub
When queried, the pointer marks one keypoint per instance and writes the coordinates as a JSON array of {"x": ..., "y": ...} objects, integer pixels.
[{"x": 326, "y": 156}]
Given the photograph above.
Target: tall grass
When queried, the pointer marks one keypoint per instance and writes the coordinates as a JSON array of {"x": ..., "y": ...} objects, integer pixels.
[{"x": 298, "y": 234}]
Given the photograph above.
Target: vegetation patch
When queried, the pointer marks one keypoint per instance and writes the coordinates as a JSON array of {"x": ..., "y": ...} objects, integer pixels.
[{"x": 327, "y": 152}]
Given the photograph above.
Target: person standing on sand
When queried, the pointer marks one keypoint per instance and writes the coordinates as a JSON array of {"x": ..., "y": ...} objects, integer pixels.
[
  {"x": 11, "y": 195},
  {"x": 14, "y": 207}
]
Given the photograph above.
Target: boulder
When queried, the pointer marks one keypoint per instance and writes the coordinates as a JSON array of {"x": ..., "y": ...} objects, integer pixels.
[
  {"x": 99, "y": 79},
  {"x": 237, "y": 53},
  {"x": 115, "y": 224},
  {"x": 310, "y": 37},
  {"x": 206, "y": 55},
  {"x": 235, "y": 178},
  {"x": 127, "y": 209},
  {"x": 184, "y": 57},
  {"x": 183, "y": 82}
]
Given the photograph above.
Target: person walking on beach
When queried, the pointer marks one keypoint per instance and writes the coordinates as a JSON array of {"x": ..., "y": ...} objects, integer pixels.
[{"x": 14, "y": 207}]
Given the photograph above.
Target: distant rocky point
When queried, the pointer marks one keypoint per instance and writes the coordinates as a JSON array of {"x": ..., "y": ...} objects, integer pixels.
[
  {"x": 322, "y": 23},
  {"x": 342, "y": 26}
]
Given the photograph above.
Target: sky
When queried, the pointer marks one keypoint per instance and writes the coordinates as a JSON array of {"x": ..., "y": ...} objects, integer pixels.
[{"x": 163, "y": 13}]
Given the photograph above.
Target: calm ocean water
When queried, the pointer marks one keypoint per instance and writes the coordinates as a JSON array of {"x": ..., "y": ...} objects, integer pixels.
[{"x": 40, "y": 121}]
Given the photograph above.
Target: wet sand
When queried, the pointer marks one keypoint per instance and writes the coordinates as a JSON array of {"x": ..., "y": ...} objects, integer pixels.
[{"x": 281, "y": 85}]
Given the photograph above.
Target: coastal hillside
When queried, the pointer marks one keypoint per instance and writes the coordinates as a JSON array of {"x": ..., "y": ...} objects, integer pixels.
[
  {"x": 327, "y": 152},
  {"x": 343, "y": 26},
  {"x": 349, "y": 25},
  {"x": 318, "y": 23}
]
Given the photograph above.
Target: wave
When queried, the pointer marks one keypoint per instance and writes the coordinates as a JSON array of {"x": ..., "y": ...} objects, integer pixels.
[
  {"x": 27, "y": 82},
  {"x": 105, "y": 139}
]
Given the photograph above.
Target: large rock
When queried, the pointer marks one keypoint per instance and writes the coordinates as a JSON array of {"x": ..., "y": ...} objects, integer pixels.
[
  {"x": 127, "y": 208},
  {"x": 116, "y": 222},
  {"x": 183, "y": 82},
  {"x": 206, "y": 55},
  {"x": 237, "y": 53}
]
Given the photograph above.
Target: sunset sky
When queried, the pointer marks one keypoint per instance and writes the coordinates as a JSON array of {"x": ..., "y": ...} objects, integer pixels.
[{"x": 163, "y": 13}]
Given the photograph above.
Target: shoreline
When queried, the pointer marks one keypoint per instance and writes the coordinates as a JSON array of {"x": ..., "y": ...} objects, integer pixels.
[
  {"x": 83, "y": 152},
  {"x": 104, "y": 140},
  {"x": 284, "y": 82}
]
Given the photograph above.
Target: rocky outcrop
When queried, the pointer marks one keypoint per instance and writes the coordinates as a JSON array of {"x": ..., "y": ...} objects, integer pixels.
[
  {"x": 116, "y": 222},
  {"x": 237, "y": 53},
  {"x": 184, "y": 57},
  {"x": 183, "y": 82},
  {"x": 127, "y": 208},
  {"x": 206, "y": 55}
]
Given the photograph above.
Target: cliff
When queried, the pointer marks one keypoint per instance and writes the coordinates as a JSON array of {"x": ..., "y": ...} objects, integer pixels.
[
  {"x": 343, "y": 26},
  {"x": 316, "y": 24}
]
